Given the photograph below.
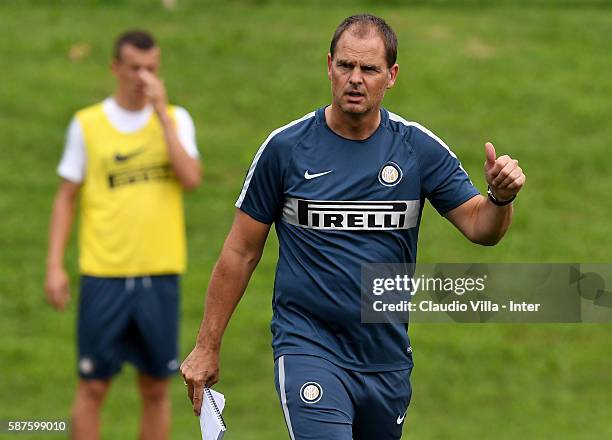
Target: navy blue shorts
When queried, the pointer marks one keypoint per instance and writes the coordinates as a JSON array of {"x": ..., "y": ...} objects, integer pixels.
[
  {"x": 323, "y": 401},
  {"x": 128, "y": 319}
]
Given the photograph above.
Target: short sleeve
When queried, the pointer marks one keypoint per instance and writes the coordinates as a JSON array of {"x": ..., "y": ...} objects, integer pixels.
[
  {"x": 444, "y": 182},
  {"x": 73, "y": 163},
  {"x": 185, "y": 131},
  {"x": 262, "y": 192}
]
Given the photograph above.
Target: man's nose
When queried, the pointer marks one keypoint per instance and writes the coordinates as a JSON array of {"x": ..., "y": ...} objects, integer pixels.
[{"x": 356, "y": 76}]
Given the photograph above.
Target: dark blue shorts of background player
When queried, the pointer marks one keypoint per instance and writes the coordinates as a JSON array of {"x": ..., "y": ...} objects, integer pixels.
[{"x": 128, "y": 319}]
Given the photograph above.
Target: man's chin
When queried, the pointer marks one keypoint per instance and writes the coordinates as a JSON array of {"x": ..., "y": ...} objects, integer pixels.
[
  {"x": 354, "y": 109},
  {"x": 138, "y": 95}
]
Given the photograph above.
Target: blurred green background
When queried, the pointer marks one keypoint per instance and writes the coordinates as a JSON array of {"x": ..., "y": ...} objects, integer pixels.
[{"x": 532, "y": 77}]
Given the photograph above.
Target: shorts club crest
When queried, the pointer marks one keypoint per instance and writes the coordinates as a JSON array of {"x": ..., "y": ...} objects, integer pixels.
[{"x": 311, "y": 392}]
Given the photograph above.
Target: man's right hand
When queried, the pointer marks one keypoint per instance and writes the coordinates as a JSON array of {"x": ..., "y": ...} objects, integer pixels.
[
  {"x": 200, "y": 368},
  {"x": 57, "y": 288}
]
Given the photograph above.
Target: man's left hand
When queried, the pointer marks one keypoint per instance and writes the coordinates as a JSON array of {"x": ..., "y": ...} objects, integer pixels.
[
  {"x": 155, "y": 91},
  {"x": 503, "y": 174}
]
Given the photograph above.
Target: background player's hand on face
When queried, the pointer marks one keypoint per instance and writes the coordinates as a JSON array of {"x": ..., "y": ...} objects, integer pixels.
[
  {"x": 200, "y": 368},
  {"x": 503, "y": 174},
  {"x": 57, "y": 288},
  {"x": 155, "y": 90}
]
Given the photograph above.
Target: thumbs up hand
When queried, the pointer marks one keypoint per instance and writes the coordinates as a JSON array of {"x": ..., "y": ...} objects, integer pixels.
[{"x": 504, "y": 176}]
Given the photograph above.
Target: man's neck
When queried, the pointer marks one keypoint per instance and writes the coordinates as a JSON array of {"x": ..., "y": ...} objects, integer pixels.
[
  {"x": 130, "y": 103},
  {"x": 354, "y": 127}
]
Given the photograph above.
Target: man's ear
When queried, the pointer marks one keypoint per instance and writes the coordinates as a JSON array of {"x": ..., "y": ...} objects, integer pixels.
[
  {"x": 114, "y": 65},
  {"x": 393, "y": 71},
  {"x": 329, "y": 65}
]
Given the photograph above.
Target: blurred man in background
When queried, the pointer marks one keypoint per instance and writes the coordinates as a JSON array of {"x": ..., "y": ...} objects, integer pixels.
[
  {"x": 129, "y": 158},
  {"x": 344, "y": 185}
]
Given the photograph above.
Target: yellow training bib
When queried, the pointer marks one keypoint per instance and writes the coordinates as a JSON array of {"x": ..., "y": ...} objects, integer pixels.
[{"x": 132, "y": 221}]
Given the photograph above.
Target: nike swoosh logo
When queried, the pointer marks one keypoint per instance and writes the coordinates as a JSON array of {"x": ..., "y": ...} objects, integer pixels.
[
  {"x": 309, "y": 176},
  {"x": 125, "y": 157},
  {"x": 401, "y": 419}
]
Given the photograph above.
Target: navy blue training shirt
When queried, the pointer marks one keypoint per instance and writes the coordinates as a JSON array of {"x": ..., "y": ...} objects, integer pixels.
[{"x": 336, "y": 204}]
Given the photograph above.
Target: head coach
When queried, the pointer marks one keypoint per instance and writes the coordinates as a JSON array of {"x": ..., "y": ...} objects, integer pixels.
[{"x": 344, "y": 185}]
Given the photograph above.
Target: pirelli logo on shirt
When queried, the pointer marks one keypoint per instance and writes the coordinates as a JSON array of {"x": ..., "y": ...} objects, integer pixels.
[{"x": 352, "y": 215}]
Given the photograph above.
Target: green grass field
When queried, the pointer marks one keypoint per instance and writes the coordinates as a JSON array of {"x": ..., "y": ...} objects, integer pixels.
[{"x": 532, "y": 77}]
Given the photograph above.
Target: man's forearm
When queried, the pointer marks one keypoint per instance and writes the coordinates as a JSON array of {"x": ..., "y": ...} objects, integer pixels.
[
  {"x": 227, "y": 285},
  {"x": 62, "y": 216},
  {"x": 239, "y": 257},
  {"x": 187, "y": 169},
  {"x": 490, "y": 221}
]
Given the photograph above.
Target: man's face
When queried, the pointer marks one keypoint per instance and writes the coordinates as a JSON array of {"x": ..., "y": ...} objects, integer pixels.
[
  {"x": 359, "y": 73},
  {"x": 131, "y": 63}
]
